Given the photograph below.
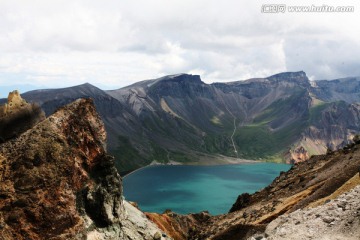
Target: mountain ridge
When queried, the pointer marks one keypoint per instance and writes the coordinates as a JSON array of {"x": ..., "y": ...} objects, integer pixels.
[{"x": 180, "y": 118}]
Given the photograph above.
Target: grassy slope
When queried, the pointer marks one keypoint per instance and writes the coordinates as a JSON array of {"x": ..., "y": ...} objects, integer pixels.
[
  {"x": 127, "y": 157},
  {"x": 258, "y": 141}
]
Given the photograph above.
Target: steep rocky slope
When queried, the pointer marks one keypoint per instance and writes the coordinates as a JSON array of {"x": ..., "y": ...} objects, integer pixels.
[
  {"x": 284, "y": 117},
  {"x": 337, "y": 219},
  {"x": 57, "y": 182}
]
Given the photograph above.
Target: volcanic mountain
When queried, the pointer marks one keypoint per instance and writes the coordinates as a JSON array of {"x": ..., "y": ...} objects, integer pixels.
[
  {"x": 179, "y": 118},
  {"x": 58, "y": 182}
]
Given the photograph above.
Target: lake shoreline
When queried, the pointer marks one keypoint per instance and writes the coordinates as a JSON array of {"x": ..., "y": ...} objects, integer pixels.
[
  {"x": 189, "y": 189},
  {"x": 224, "y": 161}
]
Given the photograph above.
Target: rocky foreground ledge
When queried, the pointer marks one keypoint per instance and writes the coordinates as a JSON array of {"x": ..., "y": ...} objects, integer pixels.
[
  {"x": 57, "y": 182},
  {"x": 337, "y": 219}
]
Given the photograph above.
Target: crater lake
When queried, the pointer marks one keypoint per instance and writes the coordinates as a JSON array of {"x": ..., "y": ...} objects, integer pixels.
[{"x": 192, "y": 189}]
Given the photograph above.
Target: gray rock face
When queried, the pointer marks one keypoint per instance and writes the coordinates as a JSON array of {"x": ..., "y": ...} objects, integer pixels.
[
  {"x": 133, "y": 226},
  {"x": 337, "y": 219},
  {"x": 345, "y": 89}
]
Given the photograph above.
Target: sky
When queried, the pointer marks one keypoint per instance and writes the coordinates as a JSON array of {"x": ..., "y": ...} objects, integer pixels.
[{"x": 114, "y": 43}]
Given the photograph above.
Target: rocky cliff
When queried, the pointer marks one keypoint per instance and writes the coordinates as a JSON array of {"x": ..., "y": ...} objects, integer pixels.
[
  {"x": 57, "y": 182},
  {"x": 284, "y": 117}
]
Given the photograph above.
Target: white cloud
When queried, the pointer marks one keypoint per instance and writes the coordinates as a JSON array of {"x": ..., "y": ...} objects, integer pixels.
[{"x": 114, "y": 43}]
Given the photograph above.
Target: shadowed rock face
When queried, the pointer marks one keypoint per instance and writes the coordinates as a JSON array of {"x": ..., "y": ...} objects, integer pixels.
[{"x": 56, "y": 179}]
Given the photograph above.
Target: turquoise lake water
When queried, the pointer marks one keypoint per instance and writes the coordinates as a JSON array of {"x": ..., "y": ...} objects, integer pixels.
[{"x": 191, "y": 189}]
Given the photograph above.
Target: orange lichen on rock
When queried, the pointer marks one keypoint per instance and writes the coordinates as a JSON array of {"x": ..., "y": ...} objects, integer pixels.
[{"x": 56, "y": 178}]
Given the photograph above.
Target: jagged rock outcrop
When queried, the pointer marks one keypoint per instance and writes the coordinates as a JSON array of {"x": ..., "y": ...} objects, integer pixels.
[
  {"x": 57, "y": 182},
  {"x": 297, "y": 155},
  {"x": 17, "y": 116},
  {"x": 15, "y": 102}
]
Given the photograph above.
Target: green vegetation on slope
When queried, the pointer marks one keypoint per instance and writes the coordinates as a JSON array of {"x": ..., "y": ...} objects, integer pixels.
[
  {"x": 260, "y": 141},
  {"x": 127, "y": 157},
  {"x": 159, "y": 154},
  {"x": 315, "y": 112},
  {"x": 218, "y": 144}
]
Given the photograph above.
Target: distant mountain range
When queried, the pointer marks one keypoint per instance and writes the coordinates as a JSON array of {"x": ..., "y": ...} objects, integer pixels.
[{"x": 179, "y": 118}]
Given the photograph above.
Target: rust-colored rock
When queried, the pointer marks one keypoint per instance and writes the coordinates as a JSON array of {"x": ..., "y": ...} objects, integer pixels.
[
  {"x": 56, "y": 178},
  {"x": 57, "y": 182},
  {"x": 177, "y": 226}
]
